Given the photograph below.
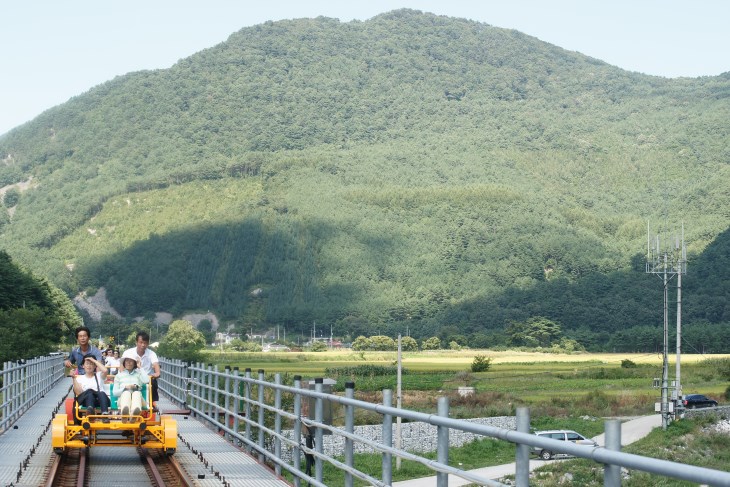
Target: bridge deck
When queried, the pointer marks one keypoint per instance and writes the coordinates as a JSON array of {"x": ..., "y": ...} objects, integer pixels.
[{"x": 25, "y": 449}]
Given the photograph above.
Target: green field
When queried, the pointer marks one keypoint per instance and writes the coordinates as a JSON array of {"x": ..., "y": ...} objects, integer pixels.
[
  {"x": 570, "y": 391},
  {"x": 550, "y": 384}
]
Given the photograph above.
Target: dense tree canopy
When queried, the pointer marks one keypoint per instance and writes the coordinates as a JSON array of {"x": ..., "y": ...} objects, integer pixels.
[
  {"x": 182, "y": 342},
  {"x": 34, "y": 314},
  {"x": 408, "y": 174}
]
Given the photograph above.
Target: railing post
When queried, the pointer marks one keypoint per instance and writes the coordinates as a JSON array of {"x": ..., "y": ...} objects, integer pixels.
[
  {"x": 349, "y": 428},
  {"x": 387, "y": 437},
  {"x": 6, "y": 404},
  {"x": 522, "y": 456},
  {"x": 216, "y": 385},
  {"x": 442, "y": 442},
  {"x": 297, "y": 452},
  {"x": 17, "y": 391},
  {"x": 212, "y": 412},
  {"x": 318, "y": 434},
  {"x": 277, "y": 422},
  {"x": 194, "y": 386},
  {"x": 247, "y": 407},
  {"x": 191, "y": 386},
  {"x": 227, "y": 402},
  {"x": 612, "y": 473},
  {"x": 261, "y": 416},
  {"x": 236, "y": 401}
]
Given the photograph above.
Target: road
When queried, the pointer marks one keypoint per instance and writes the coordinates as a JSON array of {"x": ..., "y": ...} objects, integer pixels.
[{"x": 631, "y": 431}]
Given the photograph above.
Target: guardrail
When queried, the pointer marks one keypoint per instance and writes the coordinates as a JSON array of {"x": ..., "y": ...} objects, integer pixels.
[
  {"x": 23, "y": 383},
  {"x": 250, "y": 413}
]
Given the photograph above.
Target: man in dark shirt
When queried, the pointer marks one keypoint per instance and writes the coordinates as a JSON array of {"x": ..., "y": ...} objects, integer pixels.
[{"x": 76, "y": 357}]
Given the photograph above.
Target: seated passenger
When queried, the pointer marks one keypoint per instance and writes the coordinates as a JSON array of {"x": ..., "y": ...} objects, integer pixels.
[
  {"x": 111, "y": 360},
  {"x": 89, "y": 388},
  {"x": 128, "y": 385}
]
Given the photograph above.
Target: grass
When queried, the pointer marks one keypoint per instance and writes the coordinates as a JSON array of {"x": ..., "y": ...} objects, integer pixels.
[
  {"x": 476, "y": 454},
  {"x": 687, "y": 441}
]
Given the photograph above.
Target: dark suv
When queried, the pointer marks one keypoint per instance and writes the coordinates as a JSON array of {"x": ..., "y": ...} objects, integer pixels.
[{"x": 692, "y": 401}]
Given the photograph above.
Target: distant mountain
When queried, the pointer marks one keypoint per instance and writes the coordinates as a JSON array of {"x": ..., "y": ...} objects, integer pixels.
[{"x": 409, "y": 172}]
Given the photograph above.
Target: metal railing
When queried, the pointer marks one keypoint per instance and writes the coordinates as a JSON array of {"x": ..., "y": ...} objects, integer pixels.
[
  {"x": 249, "y": 411},
  {"x": 23, "y": 383}
]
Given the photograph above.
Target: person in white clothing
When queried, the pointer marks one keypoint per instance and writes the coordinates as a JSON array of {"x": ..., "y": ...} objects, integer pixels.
[
  {"x": 128, "y": 385},
  {"x": 148, "y": 362},
  {"x": 89, "y": 387},
  {"x": 111, "y": 362}
]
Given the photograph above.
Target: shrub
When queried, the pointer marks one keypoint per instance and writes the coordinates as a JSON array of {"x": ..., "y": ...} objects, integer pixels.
[
  {"x": 11, "y": 198},
  {"x": 318, "y": 347},
  {"x": 628, "y": 364},
  {"x": 481, "y": 363},
  {"x": 433, "y": 343}
]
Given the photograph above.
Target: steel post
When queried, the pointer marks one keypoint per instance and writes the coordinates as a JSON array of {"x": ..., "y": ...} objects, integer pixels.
[
  {"x": 387, "y": 437},
  {"x": 349, "y": 428},
  {"x": 297, "y": 452},
  {"x": 318, "y": 436},
  {"x": 247, "y": 408},
  {"x": 612, "y": 473},
  {"x": 522, "y": 456},
  {"x": 261, "y": 416},
  {"x": 227, "y": 401},
  {"x": 277, "y": 421},
  {"x": 442, "y": 442},
  {"x": 237, "y": 402}
]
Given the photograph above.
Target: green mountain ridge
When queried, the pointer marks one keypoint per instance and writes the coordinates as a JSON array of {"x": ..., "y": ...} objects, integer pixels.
[{"x": 407, "y": 171}]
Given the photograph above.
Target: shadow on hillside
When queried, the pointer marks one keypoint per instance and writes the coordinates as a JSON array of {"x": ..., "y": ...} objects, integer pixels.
[
  {"x": 600, "y": 307},
  {"x": 247, "y": 271},
  {"x": 274, "y": 274}
]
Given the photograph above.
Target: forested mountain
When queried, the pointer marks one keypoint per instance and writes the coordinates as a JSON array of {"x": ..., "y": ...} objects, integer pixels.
[{"x": 410, "y": 172}]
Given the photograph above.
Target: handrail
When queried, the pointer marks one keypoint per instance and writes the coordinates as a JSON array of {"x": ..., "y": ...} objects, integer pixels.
[
  {"x": 238, "y": 405},
  {"x": 24, "y": 382}
]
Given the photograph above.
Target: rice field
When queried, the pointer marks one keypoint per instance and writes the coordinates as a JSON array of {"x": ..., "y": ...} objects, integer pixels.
[{"x": 514, "y": 377}]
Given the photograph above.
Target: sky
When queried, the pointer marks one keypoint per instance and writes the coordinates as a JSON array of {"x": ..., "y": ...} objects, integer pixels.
[{"x": 52, "y": 50}]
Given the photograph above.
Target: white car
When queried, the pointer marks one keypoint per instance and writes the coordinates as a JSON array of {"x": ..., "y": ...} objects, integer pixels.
[{"x": 563, "y": 435}]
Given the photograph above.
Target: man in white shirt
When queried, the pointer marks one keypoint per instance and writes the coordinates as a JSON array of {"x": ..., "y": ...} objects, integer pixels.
[{"x": 149, "y": 362}]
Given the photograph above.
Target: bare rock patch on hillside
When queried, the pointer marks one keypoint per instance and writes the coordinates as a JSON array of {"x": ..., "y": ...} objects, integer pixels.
[{"x": 95, "y": 305}]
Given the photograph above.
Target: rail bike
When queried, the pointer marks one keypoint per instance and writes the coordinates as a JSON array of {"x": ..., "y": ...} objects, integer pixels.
[{"x": 78, "y": 427}]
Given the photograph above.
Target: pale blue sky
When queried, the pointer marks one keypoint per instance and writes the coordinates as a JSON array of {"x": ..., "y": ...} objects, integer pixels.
[{"x": 52, "y": 50}]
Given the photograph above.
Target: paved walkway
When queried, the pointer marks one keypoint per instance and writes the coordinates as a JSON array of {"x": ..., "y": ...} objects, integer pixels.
[{"x": 631, "y": 431}]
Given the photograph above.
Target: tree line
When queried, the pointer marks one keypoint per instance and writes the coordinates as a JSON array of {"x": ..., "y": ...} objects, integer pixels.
[{"x": 35, "y": 316}]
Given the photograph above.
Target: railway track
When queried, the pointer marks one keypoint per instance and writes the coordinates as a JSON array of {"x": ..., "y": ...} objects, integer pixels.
[{"x": 85, "y": 467}]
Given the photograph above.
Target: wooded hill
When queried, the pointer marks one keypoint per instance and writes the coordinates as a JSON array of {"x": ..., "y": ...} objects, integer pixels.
[
  {"x": 34, "y": 314},
  {"x": 410, "y": 172}
]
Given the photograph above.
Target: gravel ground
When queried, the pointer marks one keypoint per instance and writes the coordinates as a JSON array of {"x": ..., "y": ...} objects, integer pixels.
[{"x": 722, "y": 426}]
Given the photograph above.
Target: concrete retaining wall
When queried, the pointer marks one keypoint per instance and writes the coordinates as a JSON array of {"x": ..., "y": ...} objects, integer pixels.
[
  {"x": 415, "y": 437},
  {"x": 722, "y": 412}
]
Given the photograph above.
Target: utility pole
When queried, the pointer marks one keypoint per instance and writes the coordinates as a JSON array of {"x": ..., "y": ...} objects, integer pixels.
[
  {"x": 666, "y": 260},
  {"x": 398, "y": 400},
  {"x": 683, "y": 264}
]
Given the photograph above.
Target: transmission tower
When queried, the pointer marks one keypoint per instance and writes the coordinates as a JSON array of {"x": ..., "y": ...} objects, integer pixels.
[{"x": 666, "y": 257}]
